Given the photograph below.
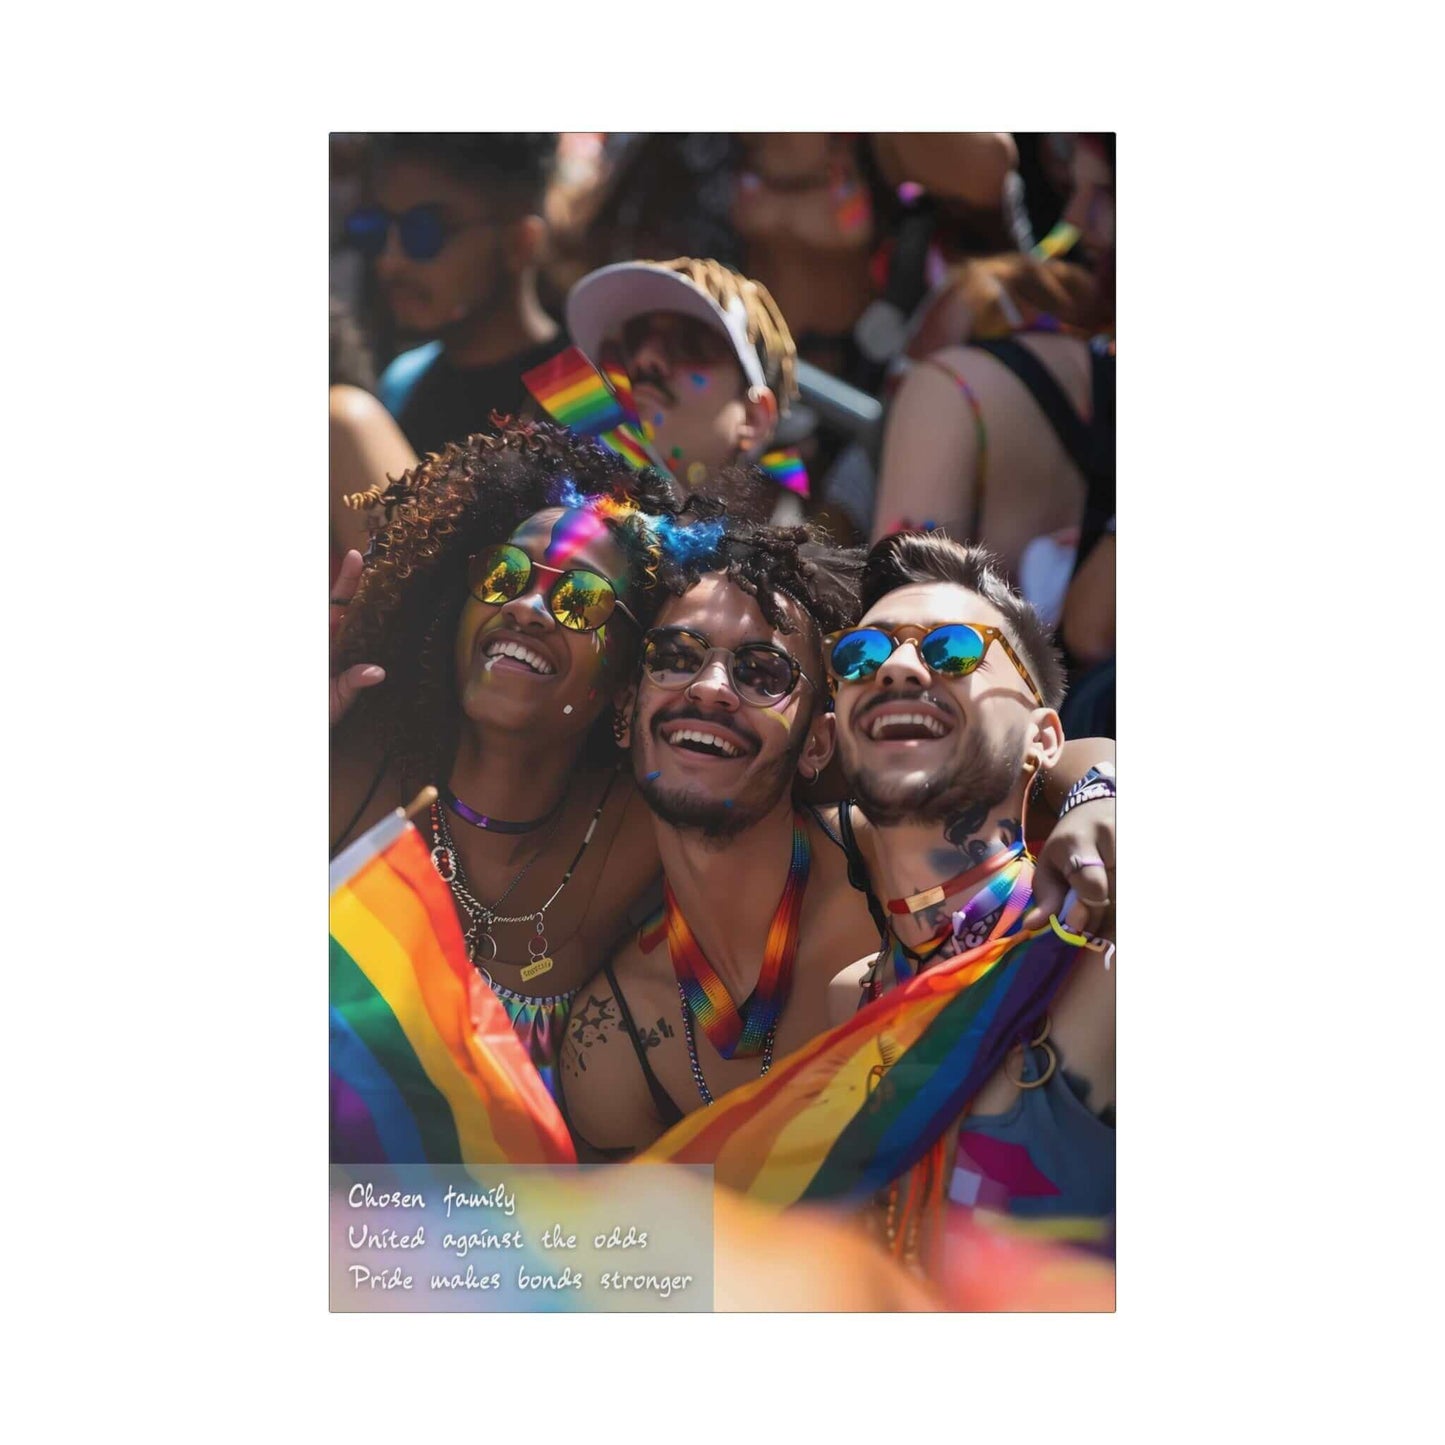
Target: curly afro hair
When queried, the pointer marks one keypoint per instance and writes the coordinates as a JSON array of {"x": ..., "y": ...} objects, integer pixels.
[{"x": 406, "y": 610}]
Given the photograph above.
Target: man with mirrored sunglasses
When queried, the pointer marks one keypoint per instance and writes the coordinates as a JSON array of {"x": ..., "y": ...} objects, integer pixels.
[
  {"x": 453, "y": 231},
  {"x": 946, "y": 697},
  {"x": 729, "y": 723}
]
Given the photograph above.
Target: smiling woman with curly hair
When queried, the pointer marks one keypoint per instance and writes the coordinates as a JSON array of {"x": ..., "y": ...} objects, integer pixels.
[{"x": 505, "y": 600}]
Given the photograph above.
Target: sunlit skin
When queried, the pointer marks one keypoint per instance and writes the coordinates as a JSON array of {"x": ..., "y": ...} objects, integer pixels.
[
  {"x": 509, "y": 694},
  {"x": 728, "y": 618}
]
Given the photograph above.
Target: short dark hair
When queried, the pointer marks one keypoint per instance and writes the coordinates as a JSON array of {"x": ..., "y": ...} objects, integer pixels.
[
  {"x": 909, "y": 557},
  {"x": 513, "y": 168}
]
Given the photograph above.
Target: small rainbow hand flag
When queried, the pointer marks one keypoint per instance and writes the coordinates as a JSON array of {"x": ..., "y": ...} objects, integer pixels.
[
  {"x": 574, "y": 394},
  {"x": 858, "y": 1106},
  {"x": 425, "y": 1067},
  {"x": 786, "y": 468},
  {"x": 627, "y": 442}
]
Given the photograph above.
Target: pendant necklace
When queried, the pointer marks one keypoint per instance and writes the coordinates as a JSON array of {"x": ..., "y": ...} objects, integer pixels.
[{"x": 483, "y": 917}]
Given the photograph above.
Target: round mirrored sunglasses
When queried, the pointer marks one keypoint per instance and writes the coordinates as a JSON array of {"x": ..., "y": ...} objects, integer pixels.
[{"x": 579, "y": 600}]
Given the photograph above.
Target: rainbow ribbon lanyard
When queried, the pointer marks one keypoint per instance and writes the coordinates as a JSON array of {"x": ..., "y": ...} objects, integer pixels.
[
  {"x": 1012, "y": 887},
  {"x": 735, "y": 1034}
]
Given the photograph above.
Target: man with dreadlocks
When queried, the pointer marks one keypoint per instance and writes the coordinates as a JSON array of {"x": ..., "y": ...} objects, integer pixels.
[
  {"x": 710, "y": 360},
  {"x": 730, "y": 711},
  {"x": 731, "y": 715}
]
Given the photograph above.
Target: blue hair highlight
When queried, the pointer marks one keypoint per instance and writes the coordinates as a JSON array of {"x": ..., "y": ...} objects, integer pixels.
[{"x": 687, "y": 543}]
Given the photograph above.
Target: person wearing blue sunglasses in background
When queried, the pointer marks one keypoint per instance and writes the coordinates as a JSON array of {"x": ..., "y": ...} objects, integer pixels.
[{"x": 453, "y": 231}]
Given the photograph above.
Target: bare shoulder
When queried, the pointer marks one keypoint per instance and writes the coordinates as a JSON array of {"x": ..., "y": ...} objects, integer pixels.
[{"x": 608, "y": 1102}]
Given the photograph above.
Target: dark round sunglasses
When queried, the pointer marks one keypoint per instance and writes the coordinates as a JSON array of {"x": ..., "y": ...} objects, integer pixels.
[
  {"x": 760, "y": 673},
  {"x": 580, "y": 601},
  {"x": 952, "y": 649},
  {"x": 422, "y": 231}
]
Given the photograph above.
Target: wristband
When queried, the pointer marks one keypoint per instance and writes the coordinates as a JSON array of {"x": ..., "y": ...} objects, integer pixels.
[{"x": 1095, "y": 784}]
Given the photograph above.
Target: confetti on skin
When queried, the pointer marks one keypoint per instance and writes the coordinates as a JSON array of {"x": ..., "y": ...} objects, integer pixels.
[
  {"x": 697, "y": 474},
  {"x": 567, "y": 709},
  {"x": 699, "y": 381},
  {"x": 777, "y": 717},
  {"x": 652, "y": 777},
  {"x": 727, "y": 802},
  {"x": 657, "y": 420},
  {"x": 677, "y": 454}
]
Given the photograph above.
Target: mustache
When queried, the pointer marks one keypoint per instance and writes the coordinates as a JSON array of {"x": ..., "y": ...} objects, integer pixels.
[
  {"x": 654, "y": 379},
  {"x": 915, "y": 694}
]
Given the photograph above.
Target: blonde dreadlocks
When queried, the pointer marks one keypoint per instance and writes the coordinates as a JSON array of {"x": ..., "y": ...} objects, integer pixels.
[{"x": 766, "y": 327}]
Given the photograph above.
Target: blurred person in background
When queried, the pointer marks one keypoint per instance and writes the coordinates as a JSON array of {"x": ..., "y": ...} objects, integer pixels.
[
  {"x": 455, "y": 235},
  {"x": 367, "y": 448},
  {"x": 711, "y": 363},
  {"x": 1002, "y": 430}
]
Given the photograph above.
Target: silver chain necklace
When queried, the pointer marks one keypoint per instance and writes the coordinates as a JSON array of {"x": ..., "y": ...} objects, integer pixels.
[
  {"x": 483, "y": 917},
  {"x": 704, "y": 1093}
]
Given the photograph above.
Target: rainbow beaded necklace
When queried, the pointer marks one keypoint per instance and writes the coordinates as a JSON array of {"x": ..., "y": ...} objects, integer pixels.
[{"x": 734, "y": 1033}]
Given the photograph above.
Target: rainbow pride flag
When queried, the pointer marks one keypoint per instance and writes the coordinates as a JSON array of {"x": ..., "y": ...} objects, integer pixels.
[
  {"x": 574, "y": 393},
  {"x": 425, "y": 1067},
  {"x": 786, "y": 468},
  {"x": 628, "y": 443},
  {"x": 852, "y": 1110}
]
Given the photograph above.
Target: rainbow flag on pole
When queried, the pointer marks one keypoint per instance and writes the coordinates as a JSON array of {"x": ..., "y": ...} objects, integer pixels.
[
  {"x": 854, "y": 1109},
  {"x": 577, "y": 395},
  {"x": 425, "y": 1067}
]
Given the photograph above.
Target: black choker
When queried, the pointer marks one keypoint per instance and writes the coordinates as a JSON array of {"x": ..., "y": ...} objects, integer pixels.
[{"x": 492, "y": 825}]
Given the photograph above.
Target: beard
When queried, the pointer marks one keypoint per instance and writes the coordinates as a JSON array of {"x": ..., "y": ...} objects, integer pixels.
[
  {"x": 689, "y": 809},
  {"x": 980, "y": 777}
]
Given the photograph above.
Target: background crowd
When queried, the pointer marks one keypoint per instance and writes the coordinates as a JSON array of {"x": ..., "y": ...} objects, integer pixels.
[{"x": 950, "y": 296}]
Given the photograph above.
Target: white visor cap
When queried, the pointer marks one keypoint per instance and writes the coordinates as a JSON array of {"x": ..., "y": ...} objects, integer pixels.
[{"x": 603, "y": 301}]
